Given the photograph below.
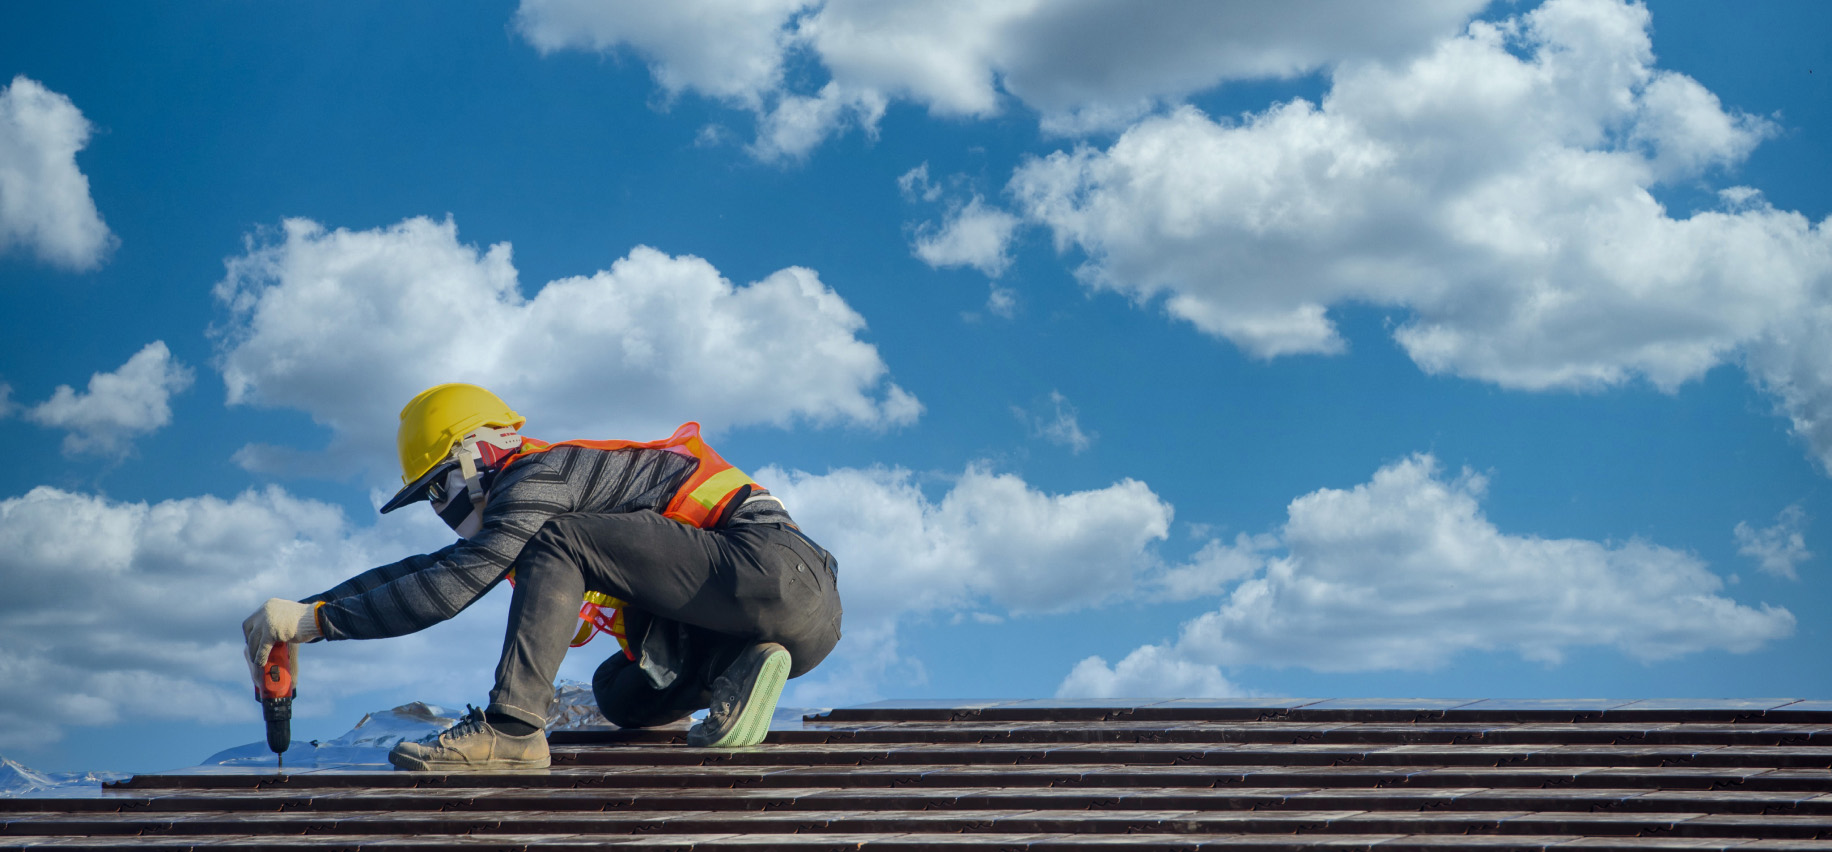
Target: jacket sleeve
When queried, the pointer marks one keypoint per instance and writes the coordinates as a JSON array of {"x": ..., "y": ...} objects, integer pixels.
[
  {"x": 420, "y": 591},
  {"x": 379, "y": 576}
]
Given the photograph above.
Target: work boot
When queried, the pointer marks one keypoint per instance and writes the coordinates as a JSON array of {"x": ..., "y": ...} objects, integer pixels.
[
  {"x": 744, "y": 699},
  {"x": 473, "y": 746}
]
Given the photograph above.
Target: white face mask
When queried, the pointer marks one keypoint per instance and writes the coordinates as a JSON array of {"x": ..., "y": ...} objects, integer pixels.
[{"x": 472, "y": 521}]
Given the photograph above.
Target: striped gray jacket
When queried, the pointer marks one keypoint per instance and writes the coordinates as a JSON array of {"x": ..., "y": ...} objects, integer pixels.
[{"x": 420, "y": 591}]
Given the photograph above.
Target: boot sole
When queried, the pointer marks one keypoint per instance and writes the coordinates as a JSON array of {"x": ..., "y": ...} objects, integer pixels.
[{"x": 759, "y": 706}]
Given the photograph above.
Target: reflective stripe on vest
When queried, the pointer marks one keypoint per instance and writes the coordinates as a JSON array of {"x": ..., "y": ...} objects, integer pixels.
[{"x": 699, "y": 502}]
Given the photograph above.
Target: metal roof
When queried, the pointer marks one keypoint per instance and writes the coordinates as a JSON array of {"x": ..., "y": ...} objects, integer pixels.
[{"x": 1268, "y": 774}]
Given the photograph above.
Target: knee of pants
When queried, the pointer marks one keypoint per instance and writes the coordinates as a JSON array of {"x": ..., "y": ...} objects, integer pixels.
[{"x": 625, "y": 698}]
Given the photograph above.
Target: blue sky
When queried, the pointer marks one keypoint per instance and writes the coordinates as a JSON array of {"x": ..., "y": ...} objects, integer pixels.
[{"x": 1471, "y": 351}]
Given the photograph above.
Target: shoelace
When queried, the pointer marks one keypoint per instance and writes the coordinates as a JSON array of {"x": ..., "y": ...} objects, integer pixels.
[{"x": 473, "y": 722}]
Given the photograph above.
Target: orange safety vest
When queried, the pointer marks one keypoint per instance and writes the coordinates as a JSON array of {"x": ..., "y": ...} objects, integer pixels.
[{"x": 699, "y": 502}]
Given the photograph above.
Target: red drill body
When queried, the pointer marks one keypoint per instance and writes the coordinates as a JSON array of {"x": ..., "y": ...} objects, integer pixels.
[{"x": 277, "y": 691}]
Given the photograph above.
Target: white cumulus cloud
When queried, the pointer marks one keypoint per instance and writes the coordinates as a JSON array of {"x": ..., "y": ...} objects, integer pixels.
[
  {"x": 133, "y": 400},
  {"x": 722, "y": 48},
  {"x": 1214, "y": 568},
  {"x": 44, "y": 198},
  {"x": 1777, "y": 549},
  {"x": 972, "y": 234},
  {"x": 798, "y": 123},
  {"x": 1498, "y": 188},
  {"x": 992, "y": 540},
  {"x": 1790, "y": 361},
  {"x": 119, "y": 610},
  {"x": 1404, "y": 572},
  {"x": 1082, "y": 65},
  {"x": 348, "y": 325},
  {"x": 1151, "y": 671}
]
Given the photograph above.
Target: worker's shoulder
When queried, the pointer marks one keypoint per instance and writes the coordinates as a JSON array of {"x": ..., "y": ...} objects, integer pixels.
[
  {"x": 563, "y": 455},
  {"x": 548, "y": 467},
  {"x": 564, "y": 462}
]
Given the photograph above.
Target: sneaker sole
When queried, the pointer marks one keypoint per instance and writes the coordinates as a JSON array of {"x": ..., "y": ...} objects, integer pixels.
[
  {"x": 760, "y": 706},
  {"x": 466, "y": 768},
  {"x": 412, "y": 764}
]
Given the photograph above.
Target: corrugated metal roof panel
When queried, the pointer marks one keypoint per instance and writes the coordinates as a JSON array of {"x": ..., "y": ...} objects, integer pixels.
[{"x": 1174, "y": 774}]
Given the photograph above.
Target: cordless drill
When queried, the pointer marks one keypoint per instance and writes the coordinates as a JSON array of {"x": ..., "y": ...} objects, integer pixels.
[{"x": 276, "y": 694}]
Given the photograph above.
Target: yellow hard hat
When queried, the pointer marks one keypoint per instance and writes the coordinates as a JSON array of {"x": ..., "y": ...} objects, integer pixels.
[{"x": 434, "y": 421}]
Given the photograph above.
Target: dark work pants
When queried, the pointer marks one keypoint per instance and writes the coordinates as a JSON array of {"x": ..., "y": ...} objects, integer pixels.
[{"x": 696, "y": 599}]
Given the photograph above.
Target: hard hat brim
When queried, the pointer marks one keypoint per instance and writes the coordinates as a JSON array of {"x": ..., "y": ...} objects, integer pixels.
[{"x": 415, "y": 491}]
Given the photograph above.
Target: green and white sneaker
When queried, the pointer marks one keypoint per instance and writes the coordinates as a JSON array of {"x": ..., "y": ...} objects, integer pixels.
[{"x": 744, "y": 699}]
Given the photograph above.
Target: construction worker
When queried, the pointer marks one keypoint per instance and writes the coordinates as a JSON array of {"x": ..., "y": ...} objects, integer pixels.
[{"x": 714, "y": 593}]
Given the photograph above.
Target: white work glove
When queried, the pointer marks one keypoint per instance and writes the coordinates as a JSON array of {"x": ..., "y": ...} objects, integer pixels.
[{"x": 278, "y": 620}]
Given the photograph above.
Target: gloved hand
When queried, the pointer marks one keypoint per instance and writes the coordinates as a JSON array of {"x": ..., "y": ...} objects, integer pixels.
[{"x": 278, "y": 620}]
